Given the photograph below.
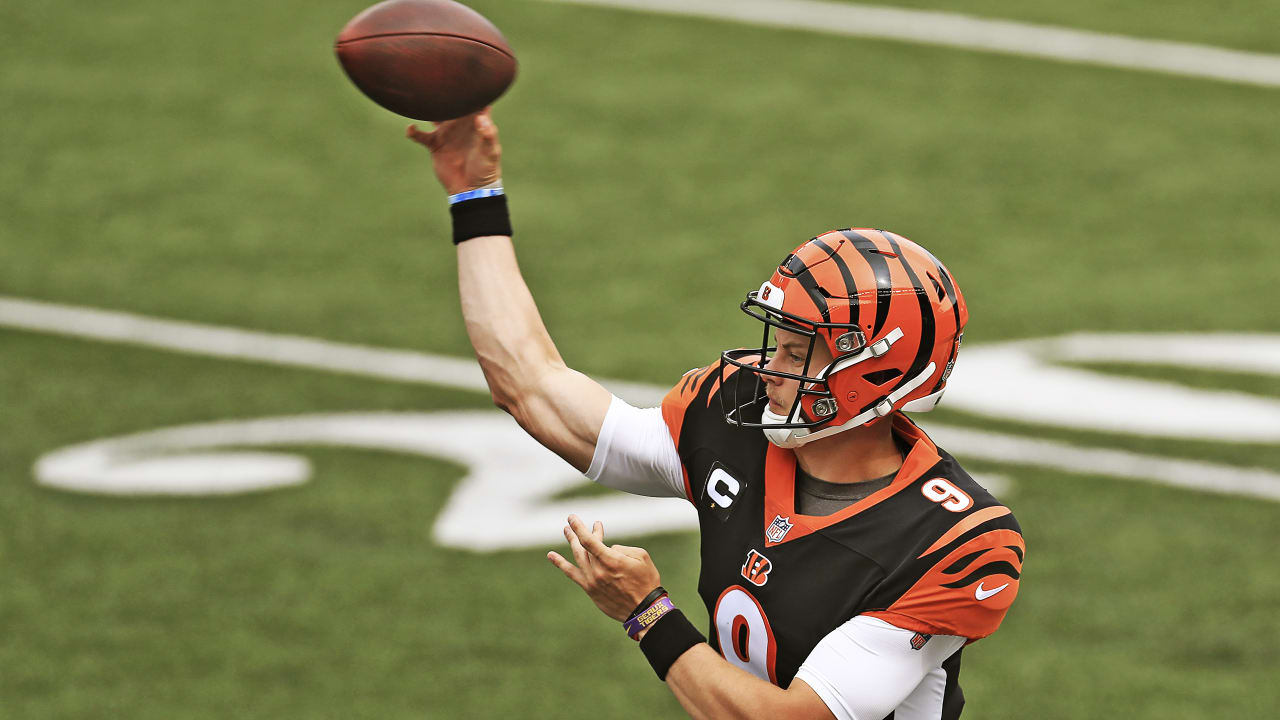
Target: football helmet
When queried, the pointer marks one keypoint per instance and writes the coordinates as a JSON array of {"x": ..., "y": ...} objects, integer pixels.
[{"x": 890, "y": 314}]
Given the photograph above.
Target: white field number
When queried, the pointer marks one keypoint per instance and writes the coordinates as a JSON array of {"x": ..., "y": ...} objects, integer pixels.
[{"x": 510, "y": 482}]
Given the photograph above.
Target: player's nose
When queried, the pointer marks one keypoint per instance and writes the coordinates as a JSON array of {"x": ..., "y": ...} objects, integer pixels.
[
  {"x": 770, "y": 364},
  {"x": 773, "y": 380}
]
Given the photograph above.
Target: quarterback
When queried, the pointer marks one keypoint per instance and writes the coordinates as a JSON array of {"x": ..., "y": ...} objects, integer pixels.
[{"x": 846, "y": 559}]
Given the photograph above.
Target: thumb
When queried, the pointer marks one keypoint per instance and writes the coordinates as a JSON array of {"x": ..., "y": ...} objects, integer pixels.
[
  {"x": 485, "y": 126},
  {"x": 422, "y": 138}
]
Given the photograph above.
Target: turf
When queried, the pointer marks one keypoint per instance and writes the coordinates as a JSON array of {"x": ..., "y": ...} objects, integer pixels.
[
  {"x": 1237, "y": 24},
  {"x": 210, "y": 163}
]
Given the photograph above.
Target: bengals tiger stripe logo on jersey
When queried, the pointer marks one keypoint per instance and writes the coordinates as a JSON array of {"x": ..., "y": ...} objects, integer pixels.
[{"x": 756, "y": 568}]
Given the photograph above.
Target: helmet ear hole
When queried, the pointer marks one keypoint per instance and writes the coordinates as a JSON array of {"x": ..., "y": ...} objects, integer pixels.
[{"x": 880, "y": 377}]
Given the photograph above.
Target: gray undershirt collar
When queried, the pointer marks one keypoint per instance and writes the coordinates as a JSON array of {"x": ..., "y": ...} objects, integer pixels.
[{"x": 819, "y": 497}]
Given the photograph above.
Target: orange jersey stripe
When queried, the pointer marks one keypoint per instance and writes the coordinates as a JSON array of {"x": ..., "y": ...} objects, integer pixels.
[
  {"x": 942, "y": 603},
  {"x": 965, "y": 525},
  {"x": 677, "y": 401}
]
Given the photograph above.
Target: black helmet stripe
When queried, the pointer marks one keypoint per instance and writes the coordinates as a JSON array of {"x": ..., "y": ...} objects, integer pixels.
[
  {"x": 815, "y": 294},
  {"x": 927, "y": 329},
  {"x": 949, "y": 286},
  {"x": 942, "y": 376},
  {"x": 884, "y": 281},
  {"x": 850, "y": 286},
  {"x": 796, "y": 268}
]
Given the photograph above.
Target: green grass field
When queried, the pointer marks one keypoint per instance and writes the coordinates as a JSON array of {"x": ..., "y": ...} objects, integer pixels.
[{"x": 210, "y": 163}]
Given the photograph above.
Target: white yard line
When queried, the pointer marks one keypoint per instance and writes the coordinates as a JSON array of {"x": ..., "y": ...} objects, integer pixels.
[
  {"x": 1118, "y": 464},
  {"x": 271, "y": 348},
  {"x": 971, "y": 33},
  {"x": 416, "y": 367}
]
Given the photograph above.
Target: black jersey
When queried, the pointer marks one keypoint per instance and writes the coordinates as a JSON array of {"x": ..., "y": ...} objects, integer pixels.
[{"x": 933, "y": 552}]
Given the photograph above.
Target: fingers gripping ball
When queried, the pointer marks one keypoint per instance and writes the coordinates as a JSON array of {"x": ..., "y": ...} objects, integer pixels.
[{"x": 426, "y": 59}]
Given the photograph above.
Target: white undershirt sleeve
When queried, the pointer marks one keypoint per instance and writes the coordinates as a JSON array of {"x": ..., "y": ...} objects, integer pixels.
[
  {"x": 866, "y": 669},
  {"x": 635, "y": 453}
]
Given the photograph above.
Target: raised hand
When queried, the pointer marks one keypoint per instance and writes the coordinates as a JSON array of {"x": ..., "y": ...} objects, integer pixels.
[{"x": 465, "y": 152}]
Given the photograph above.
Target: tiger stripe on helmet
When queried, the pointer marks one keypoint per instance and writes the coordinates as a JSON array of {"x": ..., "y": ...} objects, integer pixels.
[
  {"x": 850, "y": 285},
  {"x": 889, "y": 290},
  {"x": 880, "y": 268},
  {"x": 927, "y": 328},
  {"x": 796, "y": 267},
  {"x": 952, "y": 294},
  {"x": 948, "y": 287}
]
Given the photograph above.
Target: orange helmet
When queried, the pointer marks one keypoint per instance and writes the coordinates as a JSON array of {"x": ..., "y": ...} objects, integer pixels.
[{"x": 890, "y": 314}]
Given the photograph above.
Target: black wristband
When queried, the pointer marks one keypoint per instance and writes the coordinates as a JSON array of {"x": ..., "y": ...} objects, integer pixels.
[
  {"x": 648, "y": 600},
  {"x": 667, "y": 640},
  {"x": 480, "y": 217}
]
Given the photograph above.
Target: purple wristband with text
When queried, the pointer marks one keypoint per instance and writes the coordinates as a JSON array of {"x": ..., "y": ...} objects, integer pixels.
[{"x": 647, "y": 617}]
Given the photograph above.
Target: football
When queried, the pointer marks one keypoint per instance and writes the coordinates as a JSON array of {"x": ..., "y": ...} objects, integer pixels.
[{"x": 426, "y": 59}]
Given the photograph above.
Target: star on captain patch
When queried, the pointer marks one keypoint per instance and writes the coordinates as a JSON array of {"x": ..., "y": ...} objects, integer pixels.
[{"x": 778, "y": 529}]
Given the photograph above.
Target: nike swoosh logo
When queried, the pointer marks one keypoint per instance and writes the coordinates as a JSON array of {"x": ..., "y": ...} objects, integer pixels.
[{"x": 982, "y": 593}]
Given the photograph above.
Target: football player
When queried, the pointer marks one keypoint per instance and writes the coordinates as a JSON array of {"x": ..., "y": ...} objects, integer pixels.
[{"x": 846, "y": 559}]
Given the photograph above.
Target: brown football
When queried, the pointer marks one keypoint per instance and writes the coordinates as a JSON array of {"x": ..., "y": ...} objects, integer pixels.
[{"x": 426, "y": 59}]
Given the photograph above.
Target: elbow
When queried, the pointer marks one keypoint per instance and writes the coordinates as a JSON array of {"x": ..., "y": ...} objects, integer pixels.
[
  {"x": 514, "y": 367},
  {"x": 506, "y": 392},
  {"x": 520, "y": 407},
  {"x": 503, "y": 394},
  {"x": 513, "y": 383},
  {"x": 504, "y": 402}
]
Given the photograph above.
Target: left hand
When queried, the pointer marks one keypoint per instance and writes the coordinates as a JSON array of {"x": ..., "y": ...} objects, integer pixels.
[{"x": 616, "y": 577}]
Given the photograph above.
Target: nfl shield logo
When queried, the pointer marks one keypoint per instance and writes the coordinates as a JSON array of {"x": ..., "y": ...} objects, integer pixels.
[{"x": 778, "y": 528}]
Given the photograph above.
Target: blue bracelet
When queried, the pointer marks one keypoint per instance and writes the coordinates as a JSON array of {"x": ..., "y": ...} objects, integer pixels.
[{"x": 477, "y": 193}]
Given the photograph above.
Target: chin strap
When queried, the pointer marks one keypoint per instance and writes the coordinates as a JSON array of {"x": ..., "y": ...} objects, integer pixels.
[
  {"x": 795, "y": 437},
  {"x": 782, "y": 437}
]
